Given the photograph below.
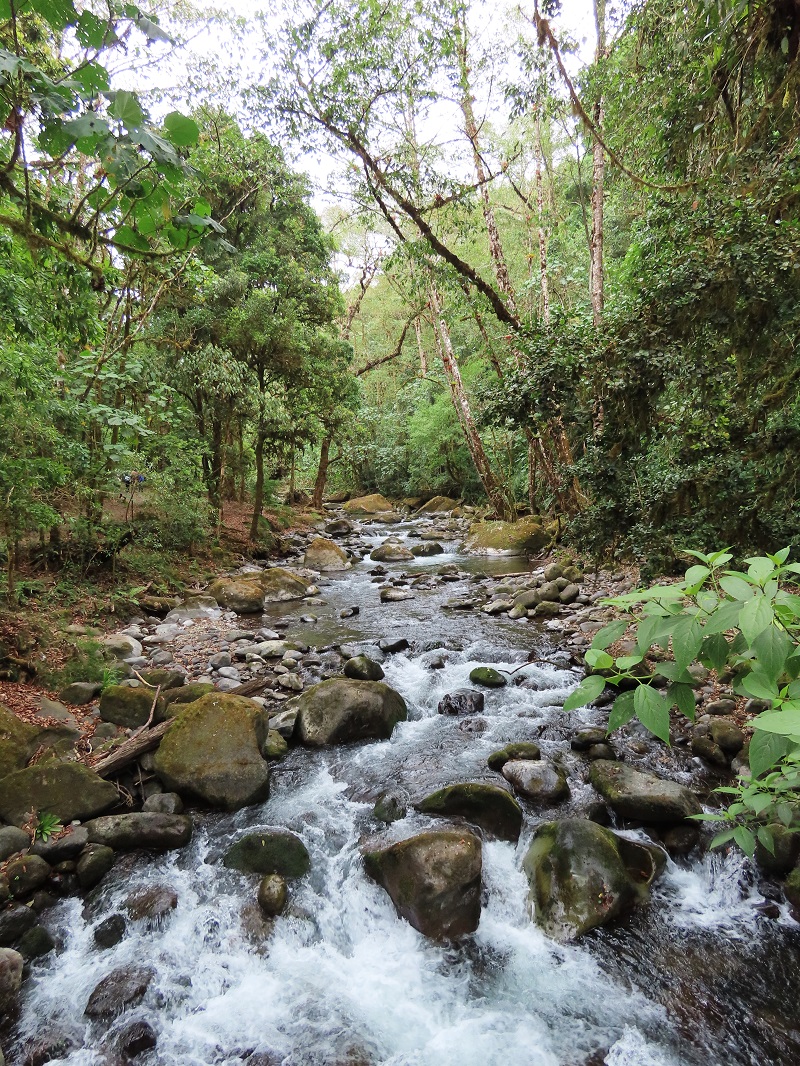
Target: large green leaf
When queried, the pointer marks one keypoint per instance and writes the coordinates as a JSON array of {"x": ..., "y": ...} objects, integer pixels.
[
  {"x": 759, "y": 684},
  {"x": 588, "y": 690},
  {"x": 714, "y": 652},
  {"x": 608, "y": 634},
  {"x": 773, "y": 647},
  {"x": 687, "y": 638},
  {"x": 652, "y": 710},
  {"x": 785, "y": 723},
  {"x": 755, "y": 616},
  {"x": 126, "y": 107},
  {"x": 683, "y": 698},
  {"x": 653, "y": 629},
  {"x": 181, "y": 130},
  {"x": 57, "y": 13},
  {"x": 765, "y": 750},
  {"x": 736, "y": 586},
  {"x": 725, "y": 617},
  {"x": 622, "y": 711}
]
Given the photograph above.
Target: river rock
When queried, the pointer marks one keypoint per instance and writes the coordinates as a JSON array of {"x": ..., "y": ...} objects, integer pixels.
[
  {"x": 128, "y": 707},
  {"x": 362, "y": 668},
  {"x": 247, "y": 593},
  {"x": 488, "y": 676},
  {"x": 639, "y": 796},
  {"x": 272, "y": 894},
  {"x": 523, "y": 750},
  {"x": 124, "y": 832},
  {"x": 123, "y": 987},
  {"x": 537, "y": 780},
  {"x": 390, "y": 806},
  {"x": 425, "y": 551},
  {"x": 93, "y": 864},
  {"x": 324, "y": 555},
  {"x": 35, "y": 943},
  {"x": 79, "y": 693},
  {"x": 110, "y": 931},
  {"x": 395, "y": 595},
  {"x": 66, "y": 790},
  {"x": 153, "y": 902},
  {"x": 163, "y": 803},
  {"x": 341, "y": 710},
  {"x": 272, "y": 851},
  {"x": 785, "y": 854},
  {"x": 438, "y": 505},
  {"x": 136, "y": 1038},
  {"x": 525, "y": 537},
  {"x": 582, "y": 876},
  {"x": 64, "y": 847},
  {"x": 488, "y": 806},
  {"x": 391, "y": 552},
  {"x": 173, "y": 701},
  {"x": 11, "y": 964},
  {"x": 374, "y": 504},
  {"x": 15, "y": 919},
  {"x": 462, "y": 701},
  {"x": 164, "y": 679},
  {"x": 12, "y": 840},
  {"x": 340, "y": 527},
  {"x": 17, "y": 742},
  {"x": 213, "y": 751},
  {"x": 434, "y": 881},
  {"x": 122, "y": 646}
]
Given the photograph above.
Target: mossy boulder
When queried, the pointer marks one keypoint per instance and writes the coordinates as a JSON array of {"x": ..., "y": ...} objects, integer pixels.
[
  {"x": 438, "y": 505},
  {"x": 391, "y": 552},
  {"x": 272, "y": 851},
  {"x": 424, "y": 551},
  {"x": 247, "y": 593},
  {"x": 522, "y": 750},
  {"x": 642, "y": 797},
  {"x": 342, "y": 709},
  {"x": 582, "y": 876},
  {"x": 792, "y": 888},
  {"x": 362, "y": 668},
  {"x": 785, "y": 850},
  {"x": 525, "y": 537},
  {"x": 488, "y": 806},
  {"x": 212, "y": 751},
  {"x": 373, "y": 504},
  {"x": 67, "y": 790},
  {"x": 324, "y": 555},
  {"x": 541, "y": 782},
  {"x": 163, "y": 678},
  {"x": 488, "y": 676},
  {"x": 174, "y": 700},
  {"x": 434, "y": 881},
  {"x": 128, "y": 707},
  {"x": 17, "y": 742},
  {"x": 144, "y": 829}
]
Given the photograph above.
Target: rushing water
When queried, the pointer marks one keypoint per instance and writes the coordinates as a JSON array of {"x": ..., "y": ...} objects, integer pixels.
[{"x": 695, "y": 978}]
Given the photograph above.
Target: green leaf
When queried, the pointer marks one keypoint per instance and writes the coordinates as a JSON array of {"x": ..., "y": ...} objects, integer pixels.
[
  {"x": 736, "y": 586},
  {"x": 696, "y": 575},
  {"x": 598, "y": 660},
  {"x": 674, "y": 673},
  {"x": 608, "y": 634},
  {"x": 126, "y": 108},
  {"x": 653, "y": 629},
  {"x": 88, "y": 125},
  {"x": 622, "y": 711},
  {"x": 126, "y": 237},
  {"x": 626, "y": 662},
  {"x": 745, "y": 839},
  {"x": 755, "y": 616},
  {"x": 57, "y": 13},
  {"x": 652, "y": 710},
  {"x": 786, "y": 723},
  {"x": 765, "y": 751},
  {"x": 687, "y": 638},
  {"x": 759, "y": 684},
  {"x": 725, "y": 617},
  {"x": 766, "y": 839},
  {"x": 714, "y": 652},
  {"x": 181, "y": 130},
  {"x": 721, "y": 838},
  {"x": 683, "y": 697},
  {"x": 773, "y": 647},
  {"x": 779, "y": 558},
  {"x": 760, "y": 568},
  {"x": 588, "y": 690}
]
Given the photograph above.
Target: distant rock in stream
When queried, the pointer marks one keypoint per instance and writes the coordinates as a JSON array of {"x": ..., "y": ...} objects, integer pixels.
[{"x": 341, "y": 710}]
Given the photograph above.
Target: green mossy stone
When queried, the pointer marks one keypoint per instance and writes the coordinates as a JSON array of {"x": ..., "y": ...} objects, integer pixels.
[
  {"x": 362, "y": 668},
  {"x": 128, "y": 707},
  {"x": 272, "y": 895},
  {"x": 17, "y": 742},
  {"x": 522, "y": 750},
  {"x": 341, "y": 710},
  {"x": 67, "y": 790},
  {"x": 525, "y": 537},
  {"x": 173, "y": 701},
  {"x": 36, "y": 943},
  {"x": 275, "y": 747},
  {"x": 792, "y": 887},
  {"x": 269, "y": 852},
  {"x": 490, "y": 807},
  {"x": 488, "y": 676},
  {"x": 642, "y": 797}
]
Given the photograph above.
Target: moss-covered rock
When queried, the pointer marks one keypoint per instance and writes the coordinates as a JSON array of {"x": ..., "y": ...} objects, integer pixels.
[
  {"x": 373, "y": 504},
  {"x": 582, "y": 875},
  {"x": 128, "y": 707},
  {"x": 642, "y": 797},
  {"x": 66, "y": 790},
  {"x": 525, "y": 537},
  {"x": 792, "y": 888},
  {"x": 247, "y": 593},
  {"x": 785, "y": 853},
  {"x": 174, "y": 700},
  {"x": 324, "y": 555},
  {"x": 438, "y": 505},
  {"x": 272, "y": 851},
  {"x": 434, "y": 881},
  {"x": 488, "y": 806},
  {"x": 274, "y": 747},
  {"x": 25, "y": 874},
  {"x": 17, "y": 742},
  {"x": 272, "y": 895},
  {"x": 541, "y": 782},
  {"x": 163, "y": 678},
  {"x": 362, "y": 668},
  {"x": 126, "y": 832},
  {"x": 341, "y": 710},
  {"x": 425, "y": 551},
  {"x": 488, "y": 676},
  {"x": 391, "y": 552},
  {"x": 212, "y": 751},
  {"x": 523, "y": 750}
]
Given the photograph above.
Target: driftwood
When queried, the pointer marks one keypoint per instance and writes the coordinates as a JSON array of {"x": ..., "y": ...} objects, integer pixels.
[
  {"x": 131, "y": 749},
  {"x": 258, "y": 684}
]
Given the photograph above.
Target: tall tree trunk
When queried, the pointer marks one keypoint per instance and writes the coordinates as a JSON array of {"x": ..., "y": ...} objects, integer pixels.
[
  {"x": 258, "y": 493},
  {"x": 423, "y": 355},
  {"x": 540, "y": 217},
  {"x": 463, "y": 410},
  {"x": 598, "y": 180},
  {"x": 322, "y": 473}
]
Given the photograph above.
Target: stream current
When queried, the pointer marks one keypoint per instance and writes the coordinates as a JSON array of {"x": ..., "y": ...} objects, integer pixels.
[{"x": 696, "y": 978}]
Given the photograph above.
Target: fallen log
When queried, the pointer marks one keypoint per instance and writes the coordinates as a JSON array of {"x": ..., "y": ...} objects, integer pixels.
[{"x": 131, "y": 749}]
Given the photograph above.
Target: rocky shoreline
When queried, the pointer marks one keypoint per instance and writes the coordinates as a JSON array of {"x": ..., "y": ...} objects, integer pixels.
[{"x": 208, "y": 699}]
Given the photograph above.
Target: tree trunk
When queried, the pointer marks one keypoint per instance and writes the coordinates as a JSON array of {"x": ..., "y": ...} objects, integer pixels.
[
  {"x": 258, "y": 494},
  {"x": 322, "y": 473},
  {"x": 461, "y": 403},
  {"x": 542, "y": 232},
  {"x": 598, "y": 179},
  {"x": 423, "y": 355}
]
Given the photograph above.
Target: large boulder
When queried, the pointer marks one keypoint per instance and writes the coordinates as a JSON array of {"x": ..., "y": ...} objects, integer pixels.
[
  {"x": 342, "y": 709},
  {"x": 540, "y": 781},
  {"x": 438, "y": 505},
  {"x": 123, "y": 987},
  {"x": 174, "y": 700},
  {"x": 462, "y": 701},
  {"x": 642, "y": 797},
  {"x": 391, "y": 552},
  {"x": 128, "y": 707},
  {"x": 525, "y": 537},
  {"x": 11, "y": 964},
  {"x": 212, "y": 751},
  {"x": 362, "y": 668},
  {"x": 490, "y": 807},
  {"x": 247, "y": 593},
  {"x": 324, "y": 555},
  {"x": 67, "y": 790},
  {"x": 374, "y": 504},
  {"x": 582, "y": 875},
  {"x": 122, "y": 645},
  {"x": 424, "y": 551},
  {"x": 434, "y": 881},
  {"x": 17, "y": 742},
  {"x": 272, "y": 851},
  {"x": 125, "y": 832}
]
